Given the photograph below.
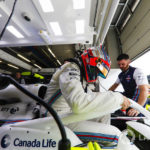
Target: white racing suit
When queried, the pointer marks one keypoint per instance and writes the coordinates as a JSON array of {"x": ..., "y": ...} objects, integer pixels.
[{"x": 66, "y": 95}]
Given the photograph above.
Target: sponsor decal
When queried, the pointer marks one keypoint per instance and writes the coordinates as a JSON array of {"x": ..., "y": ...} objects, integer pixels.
[
  {"x": 5, "y": 141},
  {"x": 12, "y": 110},
  {"x": 73, "y": 69},
  {"x": 128, "y": 78},
  {"x": 73, "y": 74},
  {"x": 140, "y": 77},
  {"x": 34, "y": 143}
]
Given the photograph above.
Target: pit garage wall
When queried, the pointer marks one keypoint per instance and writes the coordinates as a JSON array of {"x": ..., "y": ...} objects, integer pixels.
[
  {"x": 112, "y": 47},
  {"x": 135, "y": 37}
]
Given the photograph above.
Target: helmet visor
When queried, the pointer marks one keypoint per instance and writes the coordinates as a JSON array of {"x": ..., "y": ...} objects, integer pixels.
[{"x": 103, "y": 68}]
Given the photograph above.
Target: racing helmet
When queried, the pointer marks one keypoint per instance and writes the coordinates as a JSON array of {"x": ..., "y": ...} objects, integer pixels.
[{"x": 96, "y": 62}]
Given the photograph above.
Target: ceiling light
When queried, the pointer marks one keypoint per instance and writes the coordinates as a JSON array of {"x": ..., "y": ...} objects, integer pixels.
[
  {"x": 135, "y": 5},
  {"x": 56, "y": 28},
  {"x": 23, "y": 58},
  {"x": 0, "y": 15},
  {"x": 38, "y": 66},
  {"x": 58, "y": 61},
  {"x": 51, "y": 53},
  {"x": 79, "y": 26},
  {"x": 78, "y": 4},
  {"x": 46, "y": 5},
  {"x": 12, "y": 66},
  {"x": 15, "y": 32},
  {"x": 45, "y": 36}
]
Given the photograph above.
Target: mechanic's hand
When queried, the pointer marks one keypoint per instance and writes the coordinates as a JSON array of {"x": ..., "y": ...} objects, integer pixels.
[
  {"x": 126, "y": 103},
  {"x": 132, "y": 112}
]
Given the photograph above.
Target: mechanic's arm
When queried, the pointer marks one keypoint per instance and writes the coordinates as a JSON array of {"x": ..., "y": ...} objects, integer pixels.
[
  {"x": 143, "y": 94},
  {"x": 141, "y": 100},
  {"x": 142, "y": 83},
  {"x": 148, "y": 86},
  {"x": 113, "y": 87}
]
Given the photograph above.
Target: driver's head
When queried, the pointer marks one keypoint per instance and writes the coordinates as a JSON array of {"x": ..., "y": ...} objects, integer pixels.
[
  {"x": 96, "y": 62},
  {"x": 123, "y": 61}
]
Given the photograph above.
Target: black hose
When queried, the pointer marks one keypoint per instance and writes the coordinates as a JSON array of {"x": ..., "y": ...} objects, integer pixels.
[
  {"x": 8, "y": 19},
  {"x": 40, "y": 101}
]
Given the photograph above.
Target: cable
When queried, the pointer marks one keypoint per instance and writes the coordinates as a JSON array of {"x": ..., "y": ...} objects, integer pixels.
[{"x": 8, "y": 19}]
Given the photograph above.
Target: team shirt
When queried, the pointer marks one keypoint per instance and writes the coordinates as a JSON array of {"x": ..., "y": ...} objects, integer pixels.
[
  {"x": 139, "y": 77},
  {"x": 130, "y": 80}
]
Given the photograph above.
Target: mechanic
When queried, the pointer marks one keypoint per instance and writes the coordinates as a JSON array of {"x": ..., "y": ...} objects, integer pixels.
[
  {"x": 18, "y": 77},
  {"x": 134, "y": 83},
  {"x": 68, "y": 92}
]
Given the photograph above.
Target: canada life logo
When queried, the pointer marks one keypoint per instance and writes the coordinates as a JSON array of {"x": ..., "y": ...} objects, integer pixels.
[{"x": 5, "y": 142}]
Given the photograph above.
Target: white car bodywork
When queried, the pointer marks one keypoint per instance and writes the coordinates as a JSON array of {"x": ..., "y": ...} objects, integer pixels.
[{"x": 43, "y": 133}]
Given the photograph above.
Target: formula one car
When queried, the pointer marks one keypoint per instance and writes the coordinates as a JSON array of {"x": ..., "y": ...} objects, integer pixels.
[{"x": 43, "y": 133}]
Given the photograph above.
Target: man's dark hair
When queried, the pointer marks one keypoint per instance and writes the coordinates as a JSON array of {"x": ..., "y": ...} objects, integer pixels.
[{"x": 122, "y": 56}]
